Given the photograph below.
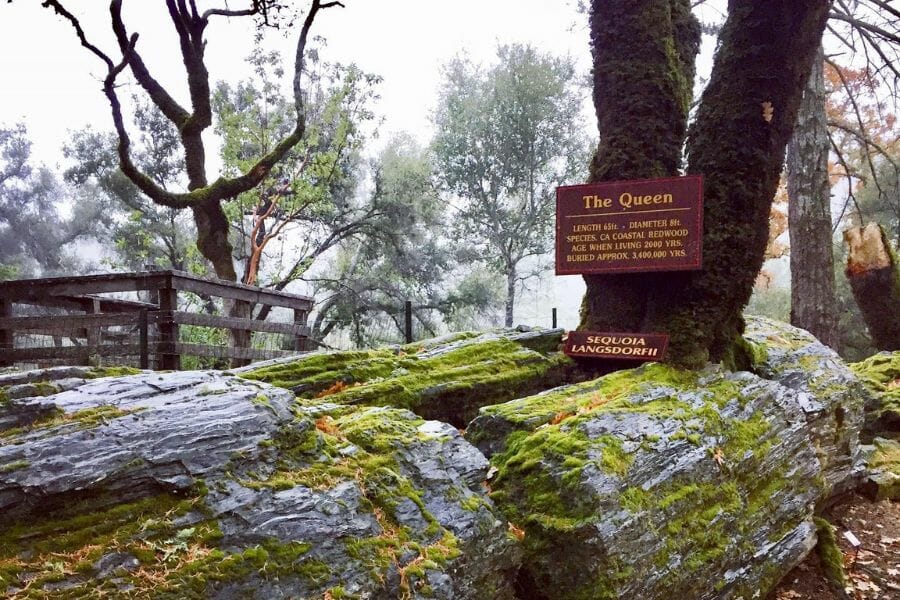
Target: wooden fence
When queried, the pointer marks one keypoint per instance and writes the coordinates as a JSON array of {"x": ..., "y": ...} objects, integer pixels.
[{"x": 88, "y": 327}]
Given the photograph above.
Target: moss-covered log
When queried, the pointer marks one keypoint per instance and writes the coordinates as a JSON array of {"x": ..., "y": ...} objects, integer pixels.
[
  {"x": 659, "y": 482},
  {"x": 881, "y": 375},
  {"x": 744, "y": 120},
  {"x": 448, "y": 381},
  {"x": 874, "y": 274}
]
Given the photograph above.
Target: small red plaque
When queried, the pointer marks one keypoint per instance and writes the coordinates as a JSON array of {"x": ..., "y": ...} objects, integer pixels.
[
  {"x": 625, "y": 346},
  {"x": 630, "y": 226}
]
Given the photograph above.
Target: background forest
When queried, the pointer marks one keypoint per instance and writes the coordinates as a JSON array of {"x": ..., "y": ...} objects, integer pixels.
[{"x": 364, "y": 217}]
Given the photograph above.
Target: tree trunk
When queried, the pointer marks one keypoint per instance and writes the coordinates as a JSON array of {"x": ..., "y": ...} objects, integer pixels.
[
  {"x": 813, "y": 302},
  {"x": 212, "y": 239},
  {"x": 643, "y": 54},
  {"x": 874, "y": 274},
  {"x": 737, "y": 143},
  {"x": 510, "y": 294}
]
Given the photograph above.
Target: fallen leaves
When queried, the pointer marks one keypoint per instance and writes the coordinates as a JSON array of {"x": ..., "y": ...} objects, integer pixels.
[
  {"x": 560, "y": 417},
  {"x": 768, "y": 111},
  {"x": 517, "y": 532},
  {"x": 336, "y": 388},
  {"x": 718, "y": 456},
  {"x": 326, "y": 425}
]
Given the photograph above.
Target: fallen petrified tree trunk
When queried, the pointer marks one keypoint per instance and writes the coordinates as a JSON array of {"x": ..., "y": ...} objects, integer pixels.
[
  {"x": 647, "y": 483},
  {"x": 874, "y": 277}
]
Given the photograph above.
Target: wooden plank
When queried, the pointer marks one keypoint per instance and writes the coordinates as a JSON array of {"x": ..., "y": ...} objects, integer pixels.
[
  {"x": 183, "y": 318},
  {"x": 65, "y": 323},
  {"x": 72, "y": 352},
  {"x": 107, "y": 305},
  {"x": 239, "y": 291},
  {"x": 229, "y": 352},
  {"x": 30, "y": 289},
  {"x": 301, "y": 339}
]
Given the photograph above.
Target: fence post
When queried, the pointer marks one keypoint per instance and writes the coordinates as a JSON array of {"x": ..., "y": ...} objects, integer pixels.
[
  {"x": 91, "y": 333},
  {"x": 407, "y": 325},
  {"x": 300, "y": 341},
  {"x": 6, "y": 335},
  {"x": 145, "y": 341},
  {"x": 169, "y": 359},
  {"x": 554, "y": 318}
]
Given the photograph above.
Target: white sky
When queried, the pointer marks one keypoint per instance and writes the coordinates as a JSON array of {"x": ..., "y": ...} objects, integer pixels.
[{"x": 53, "y": 85}]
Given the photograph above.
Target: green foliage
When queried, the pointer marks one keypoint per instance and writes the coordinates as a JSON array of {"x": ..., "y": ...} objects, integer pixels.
[
  {"x": 33, "y": 234},
  {"x": 308, "y": 199},
  {"x": 405, "y": 255},
  {"x": 140, "y": 232}
]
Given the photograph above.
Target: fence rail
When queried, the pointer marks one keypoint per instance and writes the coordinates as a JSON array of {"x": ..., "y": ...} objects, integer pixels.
[{"x": 149, "y": 330}]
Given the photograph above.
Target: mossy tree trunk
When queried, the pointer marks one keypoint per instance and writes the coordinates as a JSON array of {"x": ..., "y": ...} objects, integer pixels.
[
  {"x": 643, "y": 69},
  {"x": 874, "y": 274},
  {"x": 813, "y": 302}
]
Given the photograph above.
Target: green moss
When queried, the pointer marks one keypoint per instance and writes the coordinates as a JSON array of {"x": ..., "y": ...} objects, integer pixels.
[
  {"x": 881, "y": 375},
  {"x": 472, "y": 503},
  {"x": 361, "y": 445},
  {"x": 450, "y": 385},
  {"x": 613, "y": 458},
  {"x": 98, "y": 372},
  {"x": 14, "y": 466},
  {"x": 830, "y": 554},
  {"x": 886, "y": 456},
  {"x": 539, "y": 477},
  {"x": 69, "y": 540},
  {"x": 88, "y": 418},
  {"x": 44, "y": 388},
  {"x": 681, "y": 434}
]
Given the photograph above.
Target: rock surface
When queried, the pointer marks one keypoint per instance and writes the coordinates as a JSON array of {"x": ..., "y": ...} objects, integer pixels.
[
  {"x": 201, "y": 484},
  {"x": 658, "y": 483}
]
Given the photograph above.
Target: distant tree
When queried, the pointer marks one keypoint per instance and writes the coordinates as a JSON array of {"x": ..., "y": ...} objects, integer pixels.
[
  {"x": 203, "y": 197},
  {"x": 813, "y": 300},
  {"x": 141, "y": 232},
  {"x": 405, "y": 256},
  {"x": 307, "y": 204},
  {"x": 507, "y": 136},
  {"x": 33, "y": 234}
]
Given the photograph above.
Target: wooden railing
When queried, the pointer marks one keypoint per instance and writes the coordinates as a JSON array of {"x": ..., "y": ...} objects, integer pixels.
[{"x": 149, "y": 330}]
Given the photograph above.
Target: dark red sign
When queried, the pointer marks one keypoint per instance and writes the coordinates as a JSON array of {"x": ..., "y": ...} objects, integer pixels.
[
  {"x": 630, "y": 226},
  {"x": 625, "y": 346}
]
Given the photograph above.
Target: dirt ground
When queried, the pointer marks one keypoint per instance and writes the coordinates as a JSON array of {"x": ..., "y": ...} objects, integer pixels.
[{"x": 873, "y": 571}]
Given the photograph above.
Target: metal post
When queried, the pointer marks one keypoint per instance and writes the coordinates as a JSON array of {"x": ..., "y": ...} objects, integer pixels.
[
  {"x": 145, "y": 341},
  {"x": 554, "y": 318},
  {"x": 408, "y": 322},
  {"x": 92, "y": 335},
  {"x": 6, "y": 335},
  {"x": 300, "y": 341}
]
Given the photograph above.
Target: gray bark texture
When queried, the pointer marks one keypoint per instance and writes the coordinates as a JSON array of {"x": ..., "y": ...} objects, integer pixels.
[{"x": 813, "y": 304}]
